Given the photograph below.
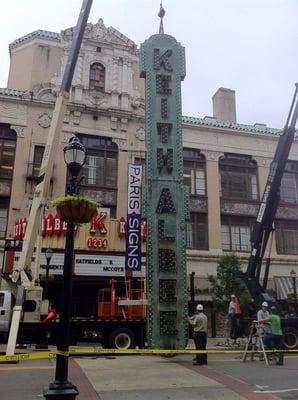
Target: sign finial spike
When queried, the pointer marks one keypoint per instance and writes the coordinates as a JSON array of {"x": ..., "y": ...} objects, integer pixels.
[{"x": 161, "y": 14}]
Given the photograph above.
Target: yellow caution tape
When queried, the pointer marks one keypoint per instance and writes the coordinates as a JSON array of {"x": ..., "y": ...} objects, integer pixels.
[{"x": 95, "y": 350}]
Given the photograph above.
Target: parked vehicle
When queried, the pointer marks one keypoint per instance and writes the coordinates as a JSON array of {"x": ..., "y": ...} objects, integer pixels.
[{"x": 119, "y": 323}]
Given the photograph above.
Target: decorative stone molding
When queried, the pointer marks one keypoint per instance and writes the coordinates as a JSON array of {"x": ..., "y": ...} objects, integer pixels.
[
  {"x": 119, "y": 142},
  {"x": 212, "y": 155},
  {"x": 197, "y": 205},
  {"x": 101, "y": 196},
  {"x": 66, "y": 117},
  {"x": 140, "y": 134},
  {"x": 13, "y": 113},
  {"x": 124, "y": 124},
  {"x": 66, "y": 137},
  {"x": 263, "y": 161},
  {"x": 76, "y": 117},
  {"x": 114, "y": 121},
  {"x": 45, "y": 92},
  {"x": 44, "y": 120},
  {"x": 285, "y": 212},
  {"x": 20, "y": 130},
  {"x": 229, "y": 207}
]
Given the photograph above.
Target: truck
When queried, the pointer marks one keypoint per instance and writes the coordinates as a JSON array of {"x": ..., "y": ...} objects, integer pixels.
[
  {"x": 119, "y": 321},
  {"x": 29, "y": 289},
  {"x": 264, "y": 226}
]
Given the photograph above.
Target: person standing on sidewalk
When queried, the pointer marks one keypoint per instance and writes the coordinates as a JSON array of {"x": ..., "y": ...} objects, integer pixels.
[
  {"x": 199, "y": 322},
  {"x": 234, "y": 317}
]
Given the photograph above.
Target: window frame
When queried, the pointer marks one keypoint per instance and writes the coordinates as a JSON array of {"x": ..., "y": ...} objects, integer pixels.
[
  {"x": 97, "y": 77},
  {"x": 236, "y": 222},
  {"x": 194, "y": 160},
  {"x": 280, "y": 236},
  {"x": 244, "y": 167},
  {"x": 193, "y": 227},
  {"x": 291, "y": 170}
]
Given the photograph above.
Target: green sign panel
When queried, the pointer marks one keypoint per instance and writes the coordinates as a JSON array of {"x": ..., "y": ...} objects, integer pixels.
[{"x": 165, "y": 199}]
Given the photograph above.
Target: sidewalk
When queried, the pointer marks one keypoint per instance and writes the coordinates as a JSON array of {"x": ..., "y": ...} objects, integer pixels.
[{"x": 107, "y": 377}]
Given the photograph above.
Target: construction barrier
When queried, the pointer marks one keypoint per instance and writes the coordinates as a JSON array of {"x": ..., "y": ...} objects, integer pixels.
[{"x": 95, "y": 350}]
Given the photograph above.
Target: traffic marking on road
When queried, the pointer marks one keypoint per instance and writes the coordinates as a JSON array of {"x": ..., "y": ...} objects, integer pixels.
[{"x": 276, "y": 391}]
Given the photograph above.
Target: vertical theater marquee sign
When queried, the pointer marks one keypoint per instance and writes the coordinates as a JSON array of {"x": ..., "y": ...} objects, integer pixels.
[{"x": 165, "y": 199}]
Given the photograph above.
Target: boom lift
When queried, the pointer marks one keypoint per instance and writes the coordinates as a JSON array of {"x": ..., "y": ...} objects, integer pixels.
[
  {"x": 263, "y": 226},
  {"x": 30, "y": 289}
]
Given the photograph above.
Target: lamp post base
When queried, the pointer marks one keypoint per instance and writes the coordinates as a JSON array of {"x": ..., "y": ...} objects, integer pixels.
[{"x": 63, "y": 391}]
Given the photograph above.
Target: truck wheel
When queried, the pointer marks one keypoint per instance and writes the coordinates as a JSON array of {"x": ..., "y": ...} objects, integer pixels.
[
  {"x": 290, "y": 338},
  {"x": 122, "y": 338}
]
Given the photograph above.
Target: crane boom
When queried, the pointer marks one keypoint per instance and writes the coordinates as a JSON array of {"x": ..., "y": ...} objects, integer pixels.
[
  {"x": 42, "y": 188},
  {"x": 264, "y": 223}
]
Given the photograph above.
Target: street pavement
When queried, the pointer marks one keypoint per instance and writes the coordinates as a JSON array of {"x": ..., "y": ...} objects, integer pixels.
[{"x": 147, "y": 377}]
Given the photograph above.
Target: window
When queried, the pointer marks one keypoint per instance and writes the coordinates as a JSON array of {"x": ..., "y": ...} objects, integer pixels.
[
  {"x": 197, "y": 232},
  {"x": 100, "y": 169},
  {"x": 286, "y": 237},
  {"x": 235, "y": 233},
  {"x": 194, "y": 172},
  {"x": 4, "y": 205},
  {"x": 238, "y": 177},
  {"x": 1, "y": 299},
  {"x": 289, "y": 183},
  {"x": 37, "y": 160},
  {"x": 7, "y": 151},
  {"x": 97, "y": 77}
]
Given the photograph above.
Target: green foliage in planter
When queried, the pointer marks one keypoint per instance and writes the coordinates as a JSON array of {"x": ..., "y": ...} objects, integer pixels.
[
  {"x": 228, "y": 281},
  {"x": 71, "y": 198}
]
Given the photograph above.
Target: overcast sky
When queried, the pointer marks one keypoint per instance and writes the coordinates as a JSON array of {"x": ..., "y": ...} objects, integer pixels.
[{"x": 250, "y": 46}]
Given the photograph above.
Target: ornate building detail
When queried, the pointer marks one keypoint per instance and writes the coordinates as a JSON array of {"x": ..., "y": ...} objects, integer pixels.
[
  {"x": 137, "y": 103},
  {"x": 140, "y": 134},
  {"x": 263, "y": 161},
  {"x": 13, "y": 113},
  {"x": 119, "y": 142},
  {"x": 76, "y": 117},
  {"x": 44, "y": 120},
  {"x": 20, "y": 130},
  {"x": 66, "y": 119},
  {"x": 229, "y": 207},
  {"x": 212, "y": 155},
  {"x": 124, "y": 124},
  {"x": 114, "y": 123},
  {"x": 100, "y": 33},
  {"x": 197, "y": 204},
  {"x": 284, "y": 212},
  {"x": 45, "y": 92}
]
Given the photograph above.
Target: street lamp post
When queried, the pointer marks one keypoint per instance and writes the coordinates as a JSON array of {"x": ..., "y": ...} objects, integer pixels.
[
  {"x": 293, "y": 276},
  {"x": 48, "y": 255},
  {"x": 61, "y": 388}
]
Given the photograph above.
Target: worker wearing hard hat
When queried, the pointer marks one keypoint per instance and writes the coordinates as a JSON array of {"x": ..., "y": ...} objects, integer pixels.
[
  {"x": 264, "y": 329},
  {"x": 199, "y": 322},
  {"x": 263, "y": 314}
]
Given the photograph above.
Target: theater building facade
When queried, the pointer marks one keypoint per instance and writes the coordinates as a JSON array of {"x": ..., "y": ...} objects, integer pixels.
[{"x": 226, "y": 163}]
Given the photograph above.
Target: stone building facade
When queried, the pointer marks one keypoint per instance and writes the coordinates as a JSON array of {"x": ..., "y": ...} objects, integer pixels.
[{"x": 226, "y": 164}]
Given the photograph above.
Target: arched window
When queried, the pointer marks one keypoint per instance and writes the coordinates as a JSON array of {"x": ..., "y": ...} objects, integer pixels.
[{"x": 97, "y": 77}]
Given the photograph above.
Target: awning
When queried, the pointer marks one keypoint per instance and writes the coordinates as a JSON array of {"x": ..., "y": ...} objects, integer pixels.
[{"x": 283, "y": 286}]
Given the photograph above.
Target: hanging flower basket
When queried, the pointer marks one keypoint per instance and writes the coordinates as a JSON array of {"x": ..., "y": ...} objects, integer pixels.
[{"x": 77, "y": 209}]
